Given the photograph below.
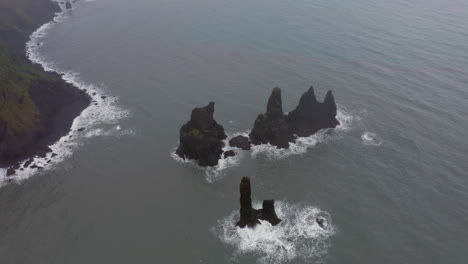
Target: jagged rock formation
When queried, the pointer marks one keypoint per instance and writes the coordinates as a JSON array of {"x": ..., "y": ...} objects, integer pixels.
[
  {"x": 229, "y": 153},
  {"x": 201, "y": 137},
  {"x": 272, "y": 127},
  {"x": 248, "y": 215},
  {"x": 309, "y": 117},
  {"x": 240, "y": 142}
]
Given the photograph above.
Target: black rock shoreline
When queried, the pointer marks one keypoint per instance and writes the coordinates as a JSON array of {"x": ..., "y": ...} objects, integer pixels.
[{"x": 57, "y": 101}]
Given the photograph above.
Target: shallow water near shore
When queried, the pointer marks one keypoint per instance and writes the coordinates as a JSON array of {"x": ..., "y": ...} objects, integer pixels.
[{"x": 391, "y": 180}]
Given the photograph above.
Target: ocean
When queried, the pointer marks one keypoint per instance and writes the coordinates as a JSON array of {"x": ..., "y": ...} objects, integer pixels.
[{"x": 391, "y": 180}]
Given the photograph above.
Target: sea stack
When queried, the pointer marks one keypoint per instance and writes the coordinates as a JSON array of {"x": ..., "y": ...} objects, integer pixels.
[
  {"x": 310, "y": 115},
  {"x": 272, "y": 127},
  {"x": 278, "y": 129},
  {"x": 201, "y": 137},
  {"x": 249, "y": 216},
  {"x": 68, "y": 5}
]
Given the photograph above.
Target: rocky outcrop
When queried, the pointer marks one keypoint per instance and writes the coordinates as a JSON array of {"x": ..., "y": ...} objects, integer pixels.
[
  {"x": 272, "y": 127},
  {"x": 201, "y": 137},
  {"x": 240, "y": 142},
  {"x": 229, "y": 153},
  {"x": 248, "y": 215},
  {"x": 310, "y": 115},
  {"x": 68, "y": 5},
  {"x": 276, "y": 128}
]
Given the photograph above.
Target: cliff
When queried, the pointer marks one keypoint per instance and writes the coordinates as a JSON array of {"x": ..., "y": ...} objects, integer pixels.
[{"x": 36, "y": 107}]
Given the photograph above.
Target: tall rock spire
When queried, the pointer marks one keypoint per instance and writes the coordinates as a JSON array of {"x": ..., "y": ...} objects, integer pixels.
[{"x": 249, "y": 216}]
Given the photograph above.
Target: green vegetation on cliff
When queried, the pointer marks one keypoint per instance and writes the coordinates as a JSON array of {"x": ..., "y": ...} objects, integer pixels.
[
  {"x": 17, "y": 108},
  {"x": 36, "y": 107},
  {"x": 18, "y": 18}
]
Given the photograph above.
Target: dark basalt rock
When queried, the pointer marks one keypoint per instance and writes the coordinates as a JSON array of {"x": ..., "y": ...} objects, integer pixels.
[
  {"x": 310, "y": 115},
  {"x": 11, "y": 171},
  {"x": 229, "y": 153},
  {"x": 249, "y": 216},
  {"x": 201, "y": 137},
  {"x": 68, "y": 5},
  {"x": 240, "y": 142},
  {"x": 321, "y": 222},
  {"x": 272, "y": 127}
]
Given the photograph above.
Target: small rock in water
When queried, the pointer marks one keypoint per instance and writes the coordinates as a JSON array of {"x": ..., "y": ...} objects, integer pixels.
[
  {"x": 81, "y": 129},
  {"x": 320, "y": 221},
  {"x": 27, "y": 163},
  {"x": 229, "y": 153},
  {"x": 11, "y": 171},
  {"x": 240, "y": 142}
]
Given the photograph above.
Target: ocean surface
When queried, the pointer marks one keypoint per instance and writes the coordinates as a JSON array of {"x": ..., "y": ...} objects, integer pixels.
[{"x": 391, "y": 180}]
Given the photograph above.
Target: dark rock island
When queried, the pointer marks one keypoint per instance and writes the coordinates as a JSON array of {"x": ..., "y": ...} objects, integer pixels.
[
  {"x": 310, "y": 116},
  {"x": 248, "y": 215},
  {"x": 201, "y": 137}
]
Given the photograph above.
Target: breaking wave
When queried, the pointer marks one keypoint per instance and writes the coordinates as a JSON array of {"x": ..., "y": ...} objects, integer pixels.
[
  {"x": 370, "y": 139},
  {"x": 298, "y": 236},
  {"x": 100, "y": 118}
]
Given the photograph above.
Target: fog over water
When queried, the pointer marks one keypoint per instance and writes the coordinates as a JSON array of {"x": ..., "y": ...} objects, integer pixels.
[{"x": 391, "y": 180}]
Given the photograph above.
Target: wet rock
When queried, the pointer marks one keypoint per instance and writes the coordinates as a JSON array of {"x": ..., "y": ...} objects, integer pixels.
[
  {"x": 240, "y": 142},
  {"x": 229, "y": 153},
  {"x": 320, "y": 221},
  {"x": 16, "y": 166},
  {"x": 310, "y": 115},
  {"x": 42, "y": 153},
  {"x": 272, "y": 127},
  {"x": 27, "y": 163},
  {"x": 249, "y": 216},
  {"x": 103, "y": 97},
  {"x": 201, "y": 137},
  {"x": 54, "y": 155},
  {"x": 81, "y": 129},
  {"x": 68, "y": 5},
  {"x": 11, "y": 171}
]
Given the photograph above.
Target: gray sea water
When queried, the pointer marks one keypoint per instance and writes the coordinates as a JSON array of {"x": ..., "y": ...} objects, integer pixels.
[{"x": 391, "y": 180}]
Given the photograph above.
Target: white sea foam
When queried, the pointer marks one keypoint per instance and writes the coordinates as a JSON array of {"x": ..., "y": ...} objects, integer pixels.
[
  {"x": 99, "y": 119},
  {"x": 297, "y": 237},
  {"x": 370, "y": 139}
]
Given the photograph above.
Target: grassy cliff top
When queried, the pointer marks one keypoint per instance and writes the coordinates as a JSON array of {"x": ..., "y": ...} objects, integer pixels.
[{"x": 18, "y": 19}]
